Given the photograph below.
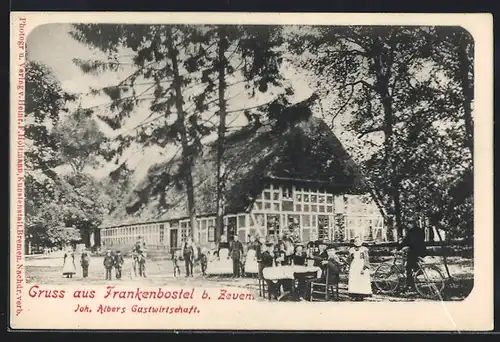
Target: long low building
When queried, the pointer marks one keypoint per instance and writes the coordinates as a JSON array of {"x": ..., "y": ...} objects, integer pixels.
[{"x": 298, "y": 179}]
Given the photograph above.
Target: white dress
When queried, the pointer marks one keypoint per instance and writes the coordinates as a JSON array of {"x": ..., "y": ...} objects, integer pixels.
[
  {"x": 69, "y": 264},
  {"x": 359, "y": 283},
  {"x": 222, "y": 265},
  {"x": 251, "y": 265}
]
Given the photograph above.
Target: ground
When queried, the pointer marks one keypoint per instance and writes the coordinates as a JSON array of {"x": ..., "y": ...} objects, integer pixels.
[{"x": 47, "y": 270}]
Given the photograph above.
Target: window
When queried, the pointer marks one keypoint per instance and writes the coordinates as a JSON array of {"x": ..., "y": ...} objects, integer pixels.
[
  {"x": 287, "y": 192},
  {"x": 306, "y": 198},
  {"x": 287, "y": 205},
  {"x": 276, "y": 206},
  {"x": 259, "y": 218},
  {"x": 242, "y": 222},
  {"x": 298, "y": 207},
  {"x": 267, "y": 205},
  {"x": 211, "y": 234},
  {"x": 162, "y": 233},
  {"x": 306, "y": 207},
  {"x": 323, "y": 227},
  {"x": 314, "y": 207},
  {"x": 273, "y": 224},
  {"x": 298, "y": 197},
  {"x": 267, "y": 195},
  {"x": 314, "y": 198},
  {"x": 276, "y": 196},
  {"x": 258, "y": 205},
  {"x": 306, "y": 220}
]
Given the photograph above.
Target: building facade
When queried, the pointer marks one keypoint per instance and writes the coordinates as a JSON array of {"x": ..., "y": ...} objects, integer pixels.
[
  {"x": 299, "y": 179},
  {"x": 313, "y": 213}
]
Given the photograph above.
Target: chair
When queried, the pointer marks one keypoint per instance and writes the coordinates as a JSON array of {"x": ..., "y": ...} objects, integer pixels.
[
  {"x": 322, "y": 292},
  {"x": 263, "y": 290}
]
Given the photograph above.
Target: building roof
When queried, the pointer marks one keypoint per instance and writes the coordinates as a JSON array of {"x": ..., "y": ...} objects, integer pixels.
[{"x": 306, "y": 152}]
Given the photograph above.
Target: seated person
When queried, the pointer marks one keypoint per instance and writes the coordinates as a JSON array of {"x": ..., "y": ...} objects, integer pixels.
[
  {"x": 299, "y": 257},
  {"x": 321, "y": 255},
  {"x": 331, "y": 269},
  {"x": 267, "y": 260},
  {"x": 280, "y": 254}
]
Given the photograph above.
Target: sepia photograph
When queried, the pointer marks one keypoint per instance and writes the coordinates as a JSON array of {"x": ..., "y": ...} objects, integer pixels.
[{"x": 314, "y": 164}]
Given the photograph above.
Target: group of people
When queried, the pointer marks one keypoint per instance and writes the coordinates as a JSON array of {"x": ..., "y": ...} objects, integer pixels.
[
  {"x": 69, "y": 266},
  {"x": 113, "y": 260},
  {"x": 288, "y": 251},
  {"x": 318, "y": 255},
  {"x": 263, "y": 253}
]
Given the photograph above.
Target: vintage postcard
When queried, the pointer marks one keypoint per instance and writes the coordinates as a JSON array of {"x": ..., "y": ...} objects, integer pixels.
[{"x": 208, "y": 171}]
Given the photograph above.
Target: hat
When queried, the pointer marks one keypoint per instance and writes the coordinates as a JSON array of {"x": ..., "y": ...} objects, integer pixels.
[
  {"x": 321, "y": 243},
  {"x": 269, "y": 244}
]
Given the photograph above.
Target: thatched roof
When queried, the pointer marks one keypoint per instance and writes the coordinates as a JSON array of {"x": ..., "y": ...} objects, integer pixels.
[{"x": 308, "y": 152}]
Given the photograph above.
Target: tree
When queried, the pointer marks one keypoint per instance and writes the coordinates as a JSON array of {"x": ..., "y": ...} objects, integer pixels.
[
  {"x": 250, "y": 54},
  {"x": 374, "y": 64},
  {"x": 59, "y": 205},
  {"x": 390, "y": 81},
  {"x": 158, "y": 77},
  {"x": 453, "y": 54},
  {"x": 79, "y": 140},
  {"x": 45, "y": 101}
]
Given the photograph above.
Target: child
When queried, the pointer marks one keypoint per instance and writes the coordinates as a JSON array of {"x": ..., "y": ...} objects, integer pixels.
[
  {"x": 85, "y": 262},
  {"x": 359, "y": 285},
  {"x": 118, "y": 263},
  {"x": 176, "y": 256},
  {"x": 108, "y": 263},
  {"x": 204, "y": 261}
]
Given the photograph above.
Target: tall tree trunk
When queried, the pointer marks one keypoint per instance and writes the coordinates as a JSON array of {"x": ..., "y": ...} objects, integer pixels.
[
  {"x": 187, "y": 156},
  {"x": 221, "y": 134},
  {"x": 383, "y": 61},
  {"x": 468, "y": 91},
  {"x": 391, "y": 165}
]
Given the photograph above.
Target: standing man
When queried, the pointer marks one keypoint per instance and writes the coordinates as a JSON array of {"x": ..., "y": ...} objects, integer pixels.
[
  {"x": 414, "y": 242},
  {"x": 188, "y": 254},
  {"x": 118, "y": 264},
  {"x": 85, "y": 262},
  {"x": 139, "y": 258},
  {"x": 236, "y": 253},
  {"x": 108, "y": 263}
]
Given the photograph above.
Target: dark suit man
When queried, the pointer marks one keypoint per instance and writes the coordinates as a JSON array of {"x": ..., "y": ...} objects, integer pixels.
[
  {"x": 415, "y": 242},
  {"x": 236, "y": 253}
]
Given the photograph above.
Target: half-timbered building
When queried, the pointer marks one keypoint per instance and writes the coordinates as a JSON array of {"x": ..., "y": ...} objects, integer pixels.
[{"x": 297, "y": 179}]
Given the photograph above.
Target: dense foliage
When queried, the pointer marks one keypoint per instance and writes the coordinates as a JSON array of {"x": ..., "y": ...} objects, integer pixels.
[{"x": 403, "y": 94}]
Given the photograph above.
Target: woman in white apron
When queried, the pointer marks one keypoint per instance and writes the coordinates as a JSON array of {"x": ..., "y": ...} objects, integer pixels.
[{"x": 359, "y": 271}]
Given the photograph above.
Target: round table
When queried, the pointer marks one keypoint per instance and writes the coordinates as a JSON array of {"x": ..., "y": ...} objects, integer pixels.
[{"x": 279, "y": 273}]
